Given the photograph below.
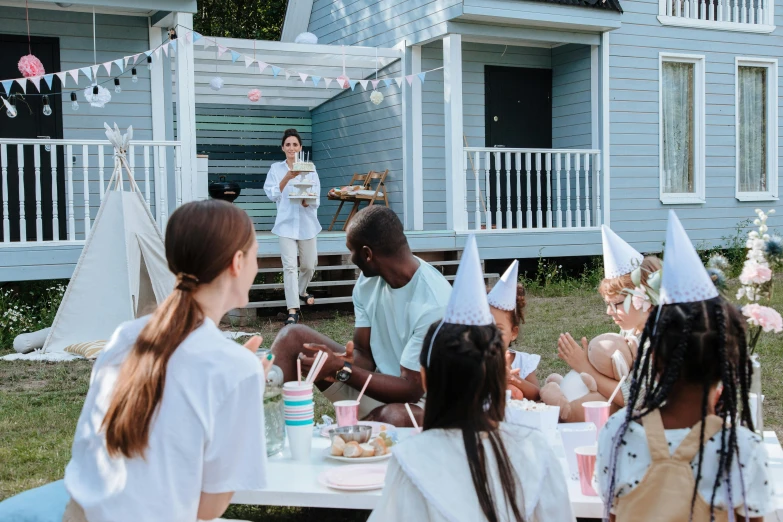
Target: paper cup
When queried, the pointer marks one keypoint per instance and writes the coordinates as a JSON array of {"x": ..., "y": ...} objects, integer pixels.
[
  {"x": 596, "y": 412},
  {"x": 347, "y": 413},
  {"x": 574, "y": 435},
  {"x": 295, "y": 403},
  {"x": 300, "y": 439},
  {"x": 294, "y": 388},
  {"x": 585, "y": 460}
]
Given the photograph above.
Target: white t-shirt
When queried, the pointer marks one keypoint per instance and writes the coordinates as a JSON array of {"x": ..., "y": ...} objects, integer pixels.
[
  {"x": 526, "y": 363},
  {"x": 634, "y": 459},
  {"x": 207, "y": 436},
  {"x": 293, "y": 220},
  {"x": 400, "y": 317}
]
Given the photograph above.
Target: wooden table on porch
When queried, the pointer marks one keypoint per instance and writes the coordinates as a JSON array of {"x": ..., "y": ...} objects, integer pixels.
[{"x": 296, "y": 484}]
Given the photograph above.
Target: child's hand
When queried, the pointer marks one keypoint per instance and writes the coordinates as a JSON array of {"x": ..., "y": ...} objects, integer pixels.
[{"x": 573, "y": 354}]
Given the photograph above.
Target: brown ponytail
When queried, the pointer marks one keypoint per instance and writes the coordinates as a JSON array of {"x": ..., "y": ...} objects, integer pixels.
[{"x": 202, "y": 238}]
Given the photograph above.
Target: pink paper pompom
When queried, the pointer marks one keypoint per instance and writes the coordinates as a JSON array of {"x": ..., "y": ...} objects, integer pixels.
[
  {"x": 767, "y": 318},
  {"x": 343, "y": 82},
  {"x": 254, "y": 95},
  {"x": 31, "y": 66}
]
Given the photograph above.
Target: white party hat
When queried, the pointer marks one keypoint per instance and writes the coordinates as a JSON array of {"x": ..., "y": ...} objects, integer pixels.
[
  {"x": 620, "y": 258},
  {"x": 504, "y": 294},
  {"x": 468, "y": 304},
  {"x": 685, "y": 280}
]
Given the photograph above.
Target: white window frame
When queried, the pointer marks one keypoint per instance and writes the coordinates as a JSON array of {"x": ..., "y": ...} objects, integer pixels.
[
  {"x": 671, "y": 18},
  {"x": 771, "y": 64},
  {"x": 698, "y": 196}
]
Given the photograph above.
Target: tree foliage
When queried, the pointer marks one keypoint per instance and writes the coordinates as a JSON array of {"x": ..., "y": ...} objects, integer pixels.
[{"x": 253, "y": 19}]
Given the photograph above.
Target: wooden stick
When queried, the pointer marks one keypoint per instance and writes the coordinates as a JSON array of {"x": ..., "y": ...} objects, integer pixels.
[{"x": 361, "y": 393}]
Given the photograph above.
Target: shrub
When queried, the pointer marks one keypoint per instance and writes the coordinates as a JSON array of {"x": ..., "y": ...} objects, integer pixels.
[{"x": 27, "y": 307}]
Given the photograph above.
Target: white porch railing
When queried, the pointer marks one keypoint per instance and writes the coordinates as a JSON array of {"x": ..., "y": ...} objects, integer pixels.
[
  {"x": 52, "y": 189},
  {"x": 528, "y": 189},
  {"x": 738, "y": 15}
]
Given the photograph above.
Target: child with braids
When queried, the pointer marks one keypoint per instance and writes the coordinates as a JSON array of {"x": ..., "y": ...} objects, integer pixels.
[
  {"x": 468, "y": 465},
  {"x": 687, "y": 452}
]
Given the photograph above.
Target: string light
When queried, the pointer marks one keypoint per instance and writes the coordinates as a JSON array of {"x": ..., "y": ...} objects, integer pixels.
[
  {"x": 149, "y": 63},
  {"x": 117, "y": 87},
  {"x": 74, "y": 102},
  {"x": 134, "y": 78},
  {"x": 10, "y": 107},
  {"x": 47, "y": 109}
]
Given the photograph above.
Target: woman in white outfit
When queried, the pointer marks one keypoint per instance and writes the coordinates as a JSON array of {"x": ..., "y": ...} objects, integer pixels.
[
  {"x": 296, "y": 225},
  {"x": 173, "y": 421}
]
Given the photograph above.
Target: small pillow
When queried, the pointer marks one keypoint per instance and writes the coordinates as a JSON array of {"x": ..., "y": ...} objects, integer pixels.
[
  {"x": 43, "y": 504},
  {"x": 27, "y": 342},
  {"x": 89, "y": 350}
]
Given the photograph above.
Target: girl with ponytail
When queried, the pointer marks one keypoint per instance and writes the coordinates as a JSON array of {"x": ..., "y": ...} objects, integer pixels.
[{"x": 173, "y": 421}]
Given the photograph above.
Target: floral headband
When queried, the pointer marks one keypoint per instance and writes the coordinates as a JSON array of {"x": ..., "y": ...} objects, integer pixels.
[{"x": 643, "y": 296}]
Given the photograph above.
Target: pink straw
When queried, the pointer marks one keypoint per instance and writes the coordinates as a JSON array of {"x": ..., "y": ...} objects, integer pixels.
[
  {"x": 361, "y": 393},
  {"x": 310, "y": 375},
  {"x": 298, "y": 371},
  {"x": 320, "y": 365}
]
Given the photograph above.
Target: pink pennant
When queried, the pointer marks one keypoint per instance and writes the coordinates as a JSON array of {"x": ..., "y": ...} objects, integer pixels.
[
  {"x": 189, "y": 37},
  {"x": 36, "y": 80},
  {"x": 262, "y": 66},
  {"x": 248, "y": 61},
  {"x": 165, "y": 49},
  {"x": 364, "y": 83},
  {"x": 409, "y": 79},
  {"x": 62, "y": 77},
  {"x": 342, "y": 82},
  {"x": 375, "y": 84},
  {"x": 126, "y": 60},
  {"x": 303, "y": 76},
  {"x": 327, "y": 82},
  {"x": 107, "y": 66},
  {"x": 22, "y": 83},
  {"x": 75, "y": 75},
  {"x": 136, "y": 58},
  {"x": 221, "y": 50}
]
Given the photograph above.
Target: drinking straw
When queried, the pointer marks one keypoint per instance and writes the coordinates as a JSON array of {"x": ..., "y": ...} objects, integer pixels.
[
  {"x": 298, "y": 371},
  {"x": 622, "y": 380},
  {"x": 315, "y": 363},
  {"x": 361, "y": 393},
  {"x": 320, "y": 365},
  {"x": 413, "y": 419}
]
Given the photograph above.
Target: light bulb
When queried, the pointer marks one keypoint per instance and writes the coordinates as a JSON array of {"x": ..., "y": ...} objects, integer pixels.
[
  {"x": 11, "y": 109},
  {"x": 47, "y": 109},
  {"x": 117, "y": 87},
  {"x": 149, "y": 63},
  {"x": 74, "y": 103},
  {"x": 134, "y": 78}
]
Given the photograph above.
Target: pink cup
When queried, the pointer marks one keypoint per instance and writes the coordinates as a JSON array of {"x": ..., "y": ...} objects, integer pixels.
[
  {"x": 596, "y": 412},
  {"x": 347, "y": 413},
  {"x": 585, "y": 461}
]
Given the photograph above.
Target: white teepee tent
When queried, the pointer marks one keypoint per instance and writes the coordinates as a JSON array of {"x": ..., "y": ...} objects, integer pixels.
[{"x": 122, "y": 272}]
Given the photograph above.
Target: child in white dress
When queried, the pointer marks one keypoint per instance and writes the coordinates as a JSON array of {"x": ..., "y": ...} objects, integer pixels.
[
  {"x": 507, "y": 304},
  {"x": 468, "y": 465},
  {"x": 687, "y": 452}
]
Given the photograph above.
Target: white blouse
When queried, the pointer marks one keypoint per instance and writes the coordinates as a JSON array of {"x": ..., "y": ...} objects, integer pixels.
[
  {"x": 429, "y": 479},
  {"x": 293, "y": 220},
  {"x": 526, "y": 363},
  {"x": 634, "y": 459}
]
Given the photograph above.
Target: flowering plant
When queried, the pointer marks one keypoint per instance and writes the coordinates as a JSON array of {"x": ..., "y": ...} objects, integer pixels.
[{"x": 765, "y": 253}]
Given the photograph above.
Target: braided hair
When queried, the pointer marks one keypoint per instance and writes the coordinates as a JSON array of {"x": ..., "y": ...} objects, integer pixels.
[
  {"x": 696, "y": 343},
  {"x": 466, "y": 377}
]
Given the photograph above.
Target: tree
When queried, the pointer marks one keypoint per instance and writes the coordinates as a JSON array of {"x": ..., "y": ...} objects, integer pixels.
[{"x": 252, "y": 19}]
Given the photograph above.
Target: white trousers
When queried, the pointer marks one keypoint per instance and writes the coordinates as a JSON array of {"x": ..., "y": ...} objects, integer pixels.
[{"x": 297, "y": 277}]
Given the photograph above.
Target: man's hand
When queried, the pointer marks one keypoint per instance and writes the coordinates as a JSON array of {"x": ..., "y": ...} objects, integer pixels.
[
  {"x": 573, "y": 354},
  {"x": 334, "y": 362}
]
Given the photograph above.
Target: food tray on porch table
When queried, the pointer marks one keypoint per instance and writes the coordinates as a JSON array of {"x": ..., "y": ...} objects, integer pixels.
[{"x": 296, "y": 196}]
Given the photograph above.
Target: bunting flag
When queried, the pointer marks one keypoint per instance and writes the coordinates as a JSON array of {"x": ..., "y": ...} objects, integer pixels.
[
  {"x": 234, "y": 56},
  {"x": 86, "y": 71},
  {"x": 189, "y": 37},
  {"x": 421, "y": 76},
  {"x": 275, "y": 70},
  {"x": 409, "y": 79},
  {"x": 315, "y": 79},
  {"x": 248, "y": 61},
  {"x": 107, "y": 66},
  {"x": 95, "y": 71},
  {"x": 148, "y": 53},
  {"x": 136, "y": 58},
  {"x": 165, "y": 50},
  {"x": 173, "y": 45},
  {"x": 352, "y": 83},
  {"x": 62, "y": 76},
  {"x": 36, "y": 80},
  {"x": 127, "y": 59},
  {"x": 196, "y": 36},
  {"x": 221, "y": 51},
  {"x": 23, "y": 84},
  {"x": 48, "y": 78},
  {"x": 119, "y": 65},
  {"x": 262, "y": 66},
  {"x": 75, "y": 75},
  {"x": 375, "y": 84},
  {"x": 157, "y": 53},
  {"x": 399, "y": 81},
  {"x": 303, "y": 76},
  {"x": 387, "y": 81},
  {"x": 7, "y": 84},
  {"x": 287, "y": 74},
  {"x": 364, "y": 83},
  {"x": 327, "y": 82}
]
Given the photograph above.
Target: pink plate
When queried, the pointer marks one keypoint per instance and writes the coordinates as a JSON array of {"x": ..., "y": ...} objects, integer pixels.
[
  {"x": 354, "y": 478},
  {"x": 376, "y": 428}
]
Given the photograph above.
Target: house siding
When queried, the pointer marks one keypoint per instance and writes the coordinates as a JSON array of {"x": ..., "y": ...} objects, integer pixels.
[
  {"x": 571, "y": 97},
  {"x": 351, "y": 135},
  {"x": 636, "y": 211}
]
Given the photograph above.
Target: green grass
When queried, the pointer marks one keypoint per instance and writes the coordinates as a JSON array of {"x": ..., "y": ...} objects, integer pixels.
[{"x": 40, "y": 402}]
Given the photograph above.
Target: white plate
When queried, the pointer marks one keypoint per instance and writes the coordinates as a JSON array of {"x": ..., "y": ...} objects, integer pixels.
[
  {"x": 302, "y": 197},
  {"x": 349, "y": 478},
  {"x": 357, "y": 460}
]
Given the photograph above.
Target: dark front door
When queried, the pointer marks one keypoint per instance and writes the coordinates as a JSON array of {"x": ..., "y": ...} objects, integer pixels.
[
  {"x": 30, "y": 122},
  {"x": 518, "y": 112}
]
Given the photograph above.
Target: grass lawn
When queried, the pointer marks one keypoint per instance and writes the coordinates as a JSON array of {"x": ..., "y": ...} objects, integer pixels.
[{"x": 40, "y": 402}]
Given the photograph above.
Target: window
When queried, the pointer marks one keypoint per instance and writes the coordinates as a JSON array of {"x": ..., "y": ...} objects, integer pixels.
[
  {"x": 756, "y": 128},
  {"x": 681, "y": 128}
]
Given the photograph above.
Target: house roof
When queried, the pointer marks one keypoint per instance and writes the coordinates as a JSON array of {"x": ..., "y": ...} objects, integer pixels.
[{"x": 612, "y": 5}]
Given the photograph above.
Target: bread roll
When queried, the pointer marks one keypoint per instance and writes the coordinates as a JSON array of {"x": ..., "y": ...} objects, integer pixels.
[
  {"x": 368, "y": 450},
  {"x": 352, "y": 450},
  {"x": 379, "y": 445},
  {"x": 338, "y": 445}
]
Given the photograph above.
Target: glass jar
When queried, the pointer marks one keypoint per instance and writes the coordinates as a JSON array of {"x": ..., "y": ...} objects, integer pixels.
[{"x": 274, "y": 421}]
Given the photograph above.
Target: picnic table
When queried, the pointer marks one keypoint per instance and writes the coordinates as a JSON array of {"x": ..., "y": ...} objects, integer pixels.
[{"x": 296, "y": 484}]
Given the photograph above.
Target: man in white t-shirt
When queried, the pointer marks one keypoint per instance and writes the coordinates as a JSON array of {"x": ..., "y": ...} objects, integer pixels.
[{"x": 396, "y": 300}]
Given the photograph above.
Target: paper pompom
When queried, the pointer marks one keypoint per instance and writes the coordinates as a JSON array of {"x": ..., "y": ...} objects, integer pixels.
[
  {"x": 376, "y": 97},
  {"x": 31, "y": 66},
  {"x": 343, "y": 82},
  {"x": 306, "y": 38},
  {"x": 254, "y": 95},
  {"x": 97, "y": 100},
  {"x": 216, "y": 83}
]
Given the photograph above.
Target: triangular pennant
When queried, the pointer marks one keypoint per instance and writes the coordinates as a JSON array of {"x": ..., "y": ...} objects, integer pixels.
[
  {"x": 315, "y": 79},
  {"x": 62, "y": 76},
  {"x": 234, "y": 56},
  {"x": 107, "y": 66},
  {"x": 136, "y": 58},
  {"x": 95, "y": 69},
  {"x": 409, "y": 79},
  {"x": 22, "y": 83},
  {"x": 327, "y": 82},
  {"x": 48, "y": 78},
  {"x": 248, "y": 61},
  {"x": 342, "y": 81},
  {"x": 398, "y": 81},
  {"x": 173, "y": 45},
  {"x": 287, "y": 74},
  {"x": 221, "y": 50},
  {"x": 421, "y": 76},
  {"x": 126, "y": 60},
  {"x": 685, "y": 280},
  {"x": 275, "y": 70},
  {"x": 87, "y": 72},
  {"x": 262, "y": 66},
  {"x": 387, "y": 81},
  {"x": 504, "y": 294},
  {"x": 620, "y": 258},
  {"x": 7, "y": 84},
  {"x": 375, "y": 83},
  {"x": 119, "y": 65},
  {"x": 165, "y": 49},
  {"x": 75, "y": 75},
  {"x": 352, "y": 83},
  {"x": 36, "y": 80},
  {"x": 303, "y": 76},
  {"x": 196, "y": 36},
  {"x": 189, "y": 37},
  {"x": 148, "y": 53},
  {"x": 157, "y": 53},
  {"x": 364, "y": 83}
]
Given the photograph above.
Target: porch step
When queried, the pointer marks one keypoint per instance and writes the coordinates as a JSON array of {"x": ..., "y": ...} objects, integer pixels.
[
  {"x": 349, "y": 282},
  {"x": 276, "y": 270}
]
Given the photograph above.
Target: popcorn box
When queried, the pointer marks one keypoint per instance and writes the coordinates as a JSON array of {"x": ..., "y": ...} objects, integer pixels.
[{"x": 533, "y": 415}]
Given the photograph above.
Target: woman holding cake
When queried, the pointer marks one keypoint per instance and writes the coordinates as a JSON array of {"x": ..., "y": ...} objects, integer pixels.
[{"x": 294, "y": 186}]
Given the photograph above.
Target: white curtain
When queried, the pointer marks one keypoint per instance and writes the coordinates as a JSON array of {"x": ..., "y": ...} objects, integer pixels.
[
  {"x": 752, "y": 109},
  {"x": 678, "y": 129}
]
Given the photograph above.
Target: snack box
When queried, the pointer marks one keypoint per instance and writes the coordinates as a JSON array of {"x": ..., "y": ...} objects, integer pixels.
[{"x": 532, "y": 414}]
